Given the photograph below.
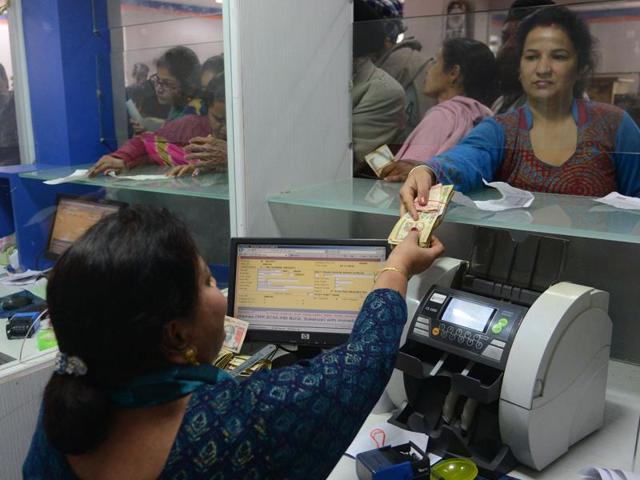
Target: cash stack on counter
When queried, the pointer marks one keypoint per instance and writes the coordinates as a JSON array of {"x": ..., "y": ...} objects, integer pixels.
[
  {"x": 229, "y": 357},
  {"x": 429, "y": 216}
]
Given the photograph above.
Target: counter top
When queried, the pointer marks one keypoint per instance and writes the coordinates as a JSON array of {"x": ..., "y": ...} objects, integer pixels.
[
  {"x": 554, "y": 214},
  {"x": 611, "y": 447},
  {"x": 23, "y": 351},
  {"x": 208, "y": 185}
]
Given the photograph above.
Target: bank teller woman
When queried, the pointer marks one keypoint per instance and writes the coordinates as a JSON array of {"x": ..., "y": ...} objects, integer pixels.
[
  {"x": 139, "y": 320},
  {"x": 557, "y": 142}
]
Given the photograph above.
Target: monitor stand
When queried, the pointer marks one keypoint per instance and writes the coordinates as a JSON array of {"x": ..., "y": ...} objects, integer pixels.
[{"x": 303, "y": 352}]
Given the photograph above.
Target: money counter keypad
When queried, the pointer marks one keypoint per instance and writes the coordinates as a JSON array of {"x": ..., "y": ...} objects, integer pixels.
[{"x": 481, "y": 328}]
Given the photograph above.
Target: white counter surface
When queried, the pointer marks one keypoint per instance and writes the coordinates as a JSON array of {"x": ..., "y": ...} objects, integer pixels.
[{"x": 612, "y": 446}]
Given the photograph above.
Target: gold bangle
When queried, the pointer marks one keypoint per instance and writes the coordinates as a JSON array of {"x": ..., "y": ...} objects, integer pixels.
[
  {"x": 389, "y": 269},
  {"x": 434, "y": 179}
]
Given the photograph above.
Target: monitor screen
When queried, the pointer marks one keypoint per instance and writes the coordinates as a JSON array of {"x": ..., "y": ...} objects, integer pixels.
[
  {"x": 468, "y": 314},
  {"x": 301, "y": 291},
  {"x": 74, "y": 216}
]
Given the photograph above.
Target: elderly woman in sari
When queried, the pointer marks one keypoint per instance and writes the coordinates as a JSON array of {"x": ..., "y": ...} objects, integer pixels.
[{"x": 191, "y": 144}]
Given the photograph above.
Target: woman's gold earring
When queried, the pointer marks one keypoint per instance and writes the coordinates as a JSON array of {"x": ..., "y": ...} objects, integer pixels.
[{"x": 190, "y": 355}]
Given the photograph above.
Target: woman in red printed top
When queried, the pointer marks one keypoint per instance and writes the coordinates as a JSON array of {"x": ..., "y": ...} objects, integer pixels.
[
  {"x": 556, "y": 143},
  {"x": 191, "y": 144}
]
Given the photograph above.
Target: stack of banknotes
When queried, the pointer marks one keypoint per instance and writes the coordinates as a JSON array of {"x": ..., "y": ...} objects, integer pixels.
[
  {"x": 229, "y": 358},
  {"x": 379, "y": 159},
  {"x": 430, "y": 216},
  {"x": 235, "y": 330}
]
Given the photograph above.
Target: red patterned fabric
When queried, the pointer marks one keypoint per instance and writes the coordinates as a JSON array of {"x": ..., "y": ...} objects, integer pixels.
[
  {"x": 177, "y": 132},
  {"x": 589, "y": 171}
]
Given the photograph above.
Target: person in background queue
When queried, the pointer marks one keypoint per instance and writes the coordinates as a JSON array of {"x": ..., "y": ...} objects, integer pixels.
[
  {"x": 212, "y": 68},
  {"x": 377, "y": 99},
  {"x": 402, "y": 58},
  {"x": 462, "y": 79}
]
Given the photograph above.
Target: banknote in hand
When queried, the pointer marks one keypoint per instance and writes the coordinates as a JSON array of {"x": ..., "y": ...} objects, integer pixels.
[
  {"x": 429, "y": 216},
  {"x": 379, "y": 158}
]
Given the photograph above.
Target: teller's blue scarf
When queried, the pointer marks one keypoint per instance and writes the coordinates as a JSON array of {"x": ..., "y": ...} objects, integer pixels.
[{"x": 166, "y": 386}]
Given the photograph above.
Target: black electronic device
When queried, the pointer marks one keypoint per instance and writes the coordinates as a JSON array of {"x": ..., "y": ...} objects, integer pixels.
[
  {"x": 472, "y": 326},
  {"x": 16, "y": 301},
  {"x": 75, "y": 215},
  {"x": 401, "y": 462},
  {"x": 301, "y": 291},
  {"x": 22, "y": 325}
]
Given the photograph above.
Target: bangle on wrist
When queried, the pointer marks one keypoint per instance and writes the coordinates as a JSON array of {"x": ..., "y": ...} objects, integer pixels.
[
  {"x": 390, "y": 269},
  {"x": 429, "y": 169}
]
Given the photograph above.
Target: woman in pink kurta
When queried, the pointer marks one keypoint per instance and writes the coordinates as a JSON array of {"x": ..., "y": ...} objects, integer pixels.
[{"x": 462, "y": 78}]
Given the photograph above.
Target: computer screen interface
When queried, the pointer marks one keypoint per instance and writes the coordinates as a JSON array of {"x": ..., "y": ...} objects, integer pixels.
[
  {"x": 73, "y": 217},
  {"x": 301, "y": 293}
]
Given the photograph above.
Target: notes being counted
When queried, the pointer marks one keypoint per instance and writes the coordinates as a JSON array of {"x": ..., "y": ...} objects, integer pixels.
[
  {"x": 379, "y": 158},
  {"x": 235, "y": 330},
  {"x": 429, "y": 216}
]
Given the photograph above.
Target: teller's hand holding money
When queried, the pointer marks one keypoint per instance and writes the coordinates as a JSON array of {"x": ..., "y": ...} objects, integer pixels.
[
  {"x": 430, "y": 214},
  {"x": 416, "y": 188},
  {"x": 406, "y": 260}
]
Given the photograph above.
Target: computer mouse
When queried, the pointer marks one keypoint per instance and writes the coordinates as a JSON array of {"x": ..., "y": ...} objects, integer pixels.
[{"x": 16, "y": 301}]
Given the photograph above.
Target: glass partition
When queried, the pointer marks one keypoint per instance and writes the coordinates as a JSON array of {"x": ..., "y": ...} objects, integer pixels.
[
  {"x": 139, "y": 100},
  {"x": 145, "y": 12},
  {"x": 544, "y": 99},
  {"x": 167, "y": 80},
  {"x": 9, "y": 145},
  {"x": 168, "y": 90},
  {"x": 568, "y": 135}
]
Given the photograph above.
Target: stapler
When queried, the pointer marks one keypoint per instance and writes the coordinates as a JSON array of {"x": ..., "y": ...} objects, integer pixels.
[{"x": 402, "y": 462}]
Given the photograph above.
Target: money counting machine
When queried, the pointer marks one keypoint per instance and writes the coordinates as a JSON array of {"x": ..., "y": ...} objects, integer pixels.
[{"x": 501, "y": 363}]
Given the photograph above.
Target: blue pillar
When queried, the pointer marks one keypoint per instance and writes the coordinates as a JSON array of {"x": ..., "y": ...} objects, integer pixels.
[{"x": 68, "y": 61}]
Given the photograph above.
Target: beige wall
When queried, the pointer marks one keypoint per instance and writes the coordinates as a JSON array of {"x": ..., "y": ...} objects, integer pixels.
[{"x": 618, "y": 41}]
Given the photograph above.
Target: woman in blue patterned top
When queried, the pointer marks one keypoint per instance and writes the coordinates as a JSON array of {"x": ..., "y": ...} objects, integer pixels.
[{"x": 139, "y": 320}]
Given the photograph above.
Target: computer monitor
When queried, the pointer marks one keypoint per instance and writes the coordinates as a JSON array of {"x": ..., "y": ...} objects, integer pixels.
[
  {"x": 73, "y": 217},
  {"x": 301, "y": 291}
]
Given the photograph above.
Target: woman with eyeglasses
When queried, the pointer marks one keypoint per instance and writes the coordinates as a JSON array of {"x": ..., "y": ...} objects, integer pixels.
[
  {"x": 174, "y": 90},
  {"x": 177, "y": 82},
  {"x": 558, "y": 142},
  {"x": 192, "y": 144},
  {"x": 462, "y": 78}
]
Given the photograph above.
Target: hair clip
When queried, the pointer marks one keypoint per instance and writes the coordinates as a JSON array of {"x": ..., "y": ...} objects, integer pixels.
[{"x": 66, "y": 365}]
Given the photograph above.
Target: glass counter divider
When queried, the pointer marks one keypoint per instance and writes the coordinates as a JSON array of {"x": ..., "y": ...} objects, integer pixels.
[{"x": 553, "y": 214}]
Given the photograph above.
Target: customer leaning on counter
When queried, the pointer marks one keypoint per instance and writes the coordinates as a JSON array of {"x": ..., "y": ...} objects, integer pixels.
[{"x": 558, "y": 142}]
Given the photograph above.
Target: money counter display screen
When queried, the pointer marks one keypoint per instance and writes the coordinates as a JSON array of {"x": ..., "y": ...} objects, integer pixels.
[
  {"x": 302, "y": 293},
  {"x": 468, "y": 314}
]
